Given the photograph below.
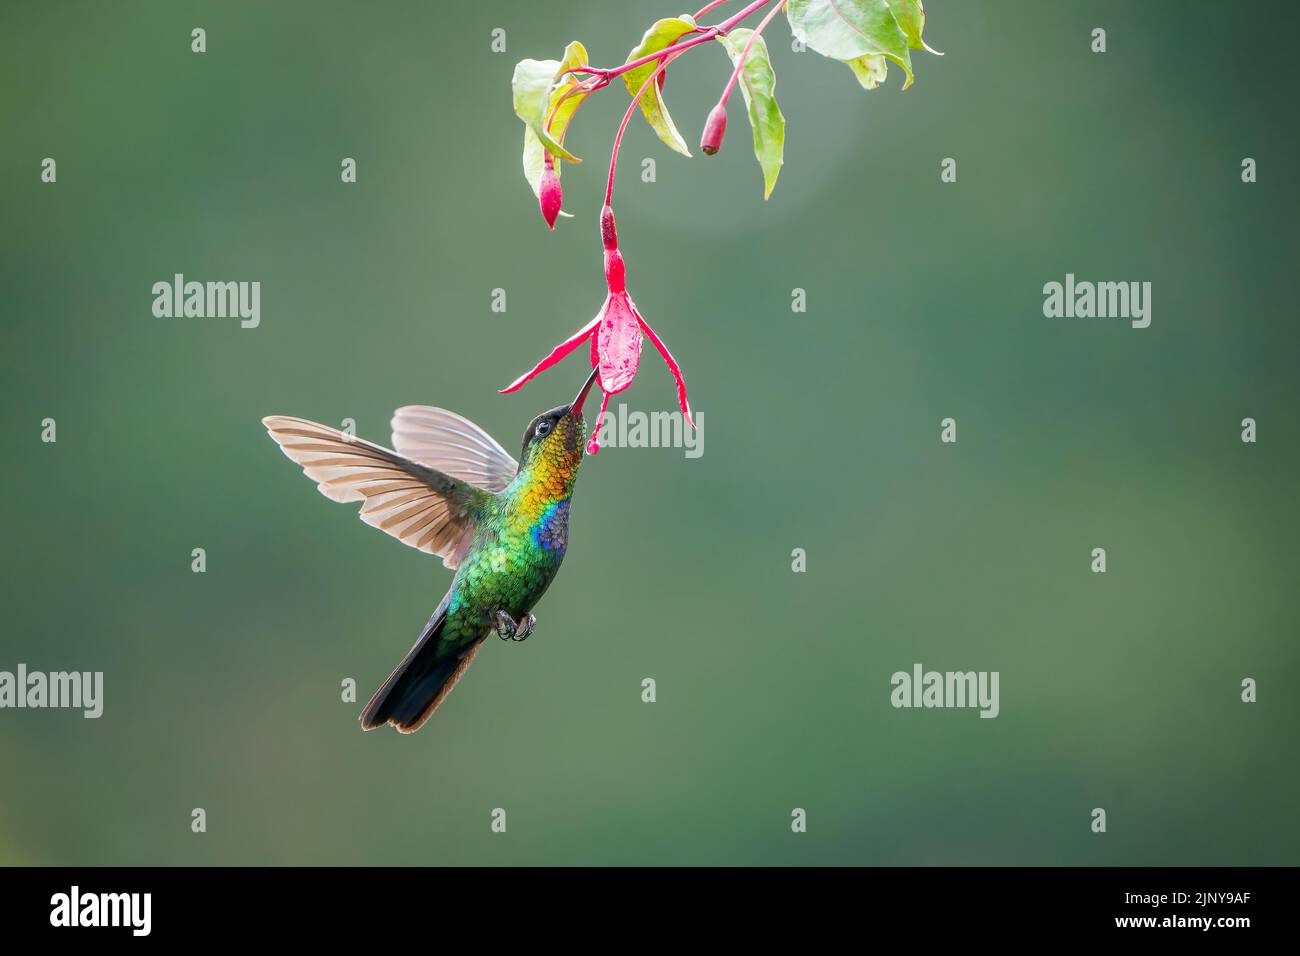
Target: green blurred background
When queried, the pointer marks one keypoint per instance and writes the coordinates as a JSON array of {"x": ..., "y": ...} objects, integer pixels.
[{"x": 821, "y": 432}]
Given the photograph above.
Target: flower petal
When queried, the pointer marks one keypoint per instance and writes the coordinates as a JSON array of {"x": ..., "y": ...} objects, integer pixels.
[
  {"x": 593, "y": 443},
  {"x": 559, "y": 352},
  {"x": 618, "y": 344},
  {"x": 671, "y": 362}
]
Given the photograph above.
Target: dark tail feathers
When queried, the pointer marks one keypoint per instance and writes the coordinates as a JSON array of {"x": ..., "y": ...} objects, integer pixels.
[{"x": 419, "y": 684}]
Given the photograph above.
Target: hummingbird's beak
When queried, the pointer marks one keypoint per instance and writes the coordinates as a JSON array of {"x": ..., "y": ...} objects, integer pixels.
[{"x": 575, "y": 409}]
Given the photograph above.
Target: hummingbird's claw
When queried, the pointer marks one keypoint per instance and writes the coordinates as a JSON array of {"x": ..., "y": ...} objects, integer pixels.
[
  {"x": 505, "y": 626},
  {"x": 511, "y": 630}
]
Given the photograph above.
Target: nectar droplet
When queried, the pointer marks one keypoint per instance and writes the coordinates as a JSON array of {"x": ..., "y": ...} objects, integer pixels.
[{"x": 593, "y": 446}]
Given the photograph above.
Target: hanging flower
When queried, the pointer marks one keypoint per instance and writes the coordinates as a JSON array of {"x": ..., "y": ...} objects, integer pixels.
[
  {"x": 615, "y": 335},
  {"x": 549, "y": 194}
]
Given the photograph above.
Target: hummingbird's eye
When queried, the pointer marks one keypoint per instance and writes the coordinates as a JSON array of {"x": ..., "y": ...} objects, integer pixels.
[{"x": 543, "y": 428}]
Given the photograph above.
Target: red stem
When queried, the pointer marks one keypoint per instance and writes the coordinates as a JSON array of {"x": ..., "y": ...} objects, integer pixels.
[
  {"x": 678, "y": 47},
  {"x": 740, "y": 62},
  {"x": 618, "y": 137},
  {"x": 703, "y": 10},
  {"x": 666, "y": 56},
  {"x": 595, "y": 84}
]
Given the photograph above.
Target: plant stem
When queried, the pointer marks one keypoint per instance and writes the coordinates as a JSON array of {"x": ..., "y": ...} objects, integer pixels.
[
  {"x": 585, "y": 87},
  {"x": 679, "y": 47},
  {"x": 701, "y": 12},
  {"x": 666, "y": 56},
  {"x": 740, "y": 61},
  {"x": 618, "y": 137}
]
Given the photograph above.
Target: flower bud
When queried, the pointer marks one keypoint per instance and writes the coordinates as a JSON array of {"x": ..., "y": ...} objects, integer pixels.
[
  {"x": 714, "y": 129},
  {"x": 550, "y": 195},
  {"x": 608, "y": 234}
]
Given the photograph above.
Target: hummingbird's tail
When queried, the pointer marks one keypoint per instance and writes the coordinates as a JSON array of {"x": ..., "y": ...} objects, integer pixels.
[{"x": 420, "y": 682}]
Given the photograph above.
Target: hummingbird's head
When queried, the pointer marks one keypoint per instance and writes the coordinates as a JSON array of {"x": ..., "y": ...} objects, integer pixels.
[{"x": 554, "y": 440}]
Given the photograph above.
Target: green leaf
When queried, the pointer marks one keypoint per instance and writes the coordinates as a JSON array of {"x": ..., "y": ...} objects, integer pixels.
[
  {"x": 531, "y": 85},
  {"x": 561, "y": 105},
  {"x": 850, "y": 29},
  {"x": 870, "y": 70},
  {"x": 757, "y": 85},
  {"x": 911, "y": 19},
  {"x": 663, "y": 34}
]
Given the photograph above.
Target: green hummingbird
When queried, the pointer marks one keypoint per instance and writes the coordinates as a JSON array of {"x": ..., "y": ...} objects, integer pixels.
[{"x": 450, "y": 489}]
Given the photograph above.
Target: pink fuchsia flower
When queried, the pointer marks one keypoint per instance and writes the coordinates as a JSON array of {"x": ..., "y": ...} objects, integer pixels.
[
  {"x": 549, "y": 194},
  {"x": 615, "y": 337},
  {"x": 550, "y": 197}
]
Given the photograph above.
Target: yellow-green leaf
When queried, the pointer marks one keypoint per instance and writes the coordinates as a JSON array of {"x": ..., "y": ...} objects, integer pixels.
[
  {"x": 663, "y": 34},
  {"x": 531, "y": 86},
  {"x": 561, "y": 106},
  {"x": 870, "y": 70},
  {"x": 849, "y": 29},
  {"x": 757, "y": 85},
  {"x": 910, "y": 15}
]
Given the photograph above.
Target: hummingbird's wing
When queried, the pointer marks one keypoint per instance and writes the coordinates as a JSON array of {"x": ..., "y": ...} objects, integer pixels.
[
  {"x": 452, "y": 444},
  {"x": 418, "y": 505}
]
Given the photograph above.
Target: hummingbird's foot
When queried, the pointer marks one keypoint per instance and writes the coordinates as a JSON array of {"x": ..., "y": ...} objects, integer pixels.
[
  {"x": 526, "y": 628},
  {"x": 505, "y": 626}
]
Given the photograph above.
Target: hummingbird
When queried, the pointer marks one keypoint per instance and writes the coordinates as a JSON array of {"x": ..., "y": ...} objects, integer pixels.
[{"x": 448, "y": 488}]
